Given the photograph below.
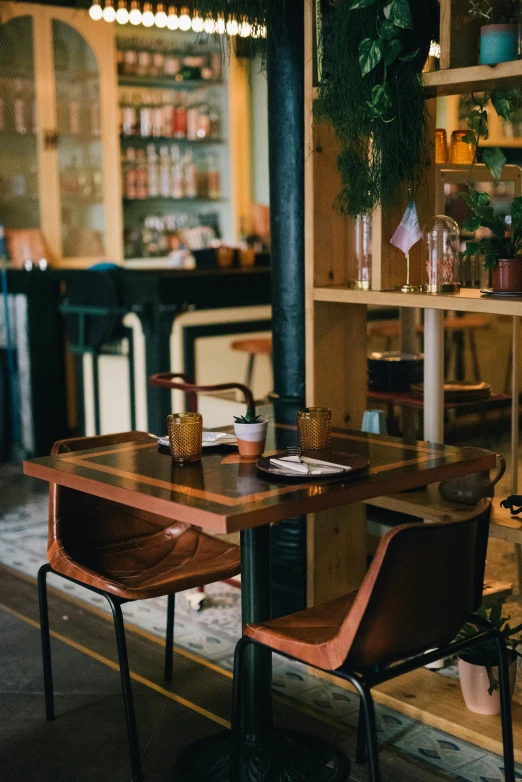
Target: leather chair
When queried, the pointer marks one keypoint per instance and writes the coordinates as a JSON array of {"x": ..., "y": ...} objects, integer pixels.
[
  {"x": 123, "y": 554},
  {"x": 424, "y": 582},
  {"x": 181, "y": 382}
]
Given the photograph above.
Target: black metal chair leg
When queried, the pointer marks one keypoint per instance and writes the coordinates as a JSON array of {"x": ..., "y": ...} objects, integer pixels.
[
  {"x": 505, "y": 711},
  {"x": 361, "y": 754},
  {"x": 169, "y": 641},
  {"x": 369, "y": 721},
  {"x": 46, "y": 641},
  {"x": 130, "y": 717},
  {"x": 236, "y": 720}
]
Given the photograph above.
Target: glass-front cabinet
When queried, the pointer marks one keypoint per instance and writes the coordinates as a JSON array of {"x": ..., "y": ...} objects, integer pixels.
[{"x": 59, "y": 151}]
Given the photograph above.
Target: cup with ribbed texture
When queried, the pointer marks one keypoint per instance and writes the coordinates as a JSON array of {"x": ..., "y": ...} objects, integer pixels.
[
  {"x": 314, "y": 425},
  {"x": 185, "y": 437}
]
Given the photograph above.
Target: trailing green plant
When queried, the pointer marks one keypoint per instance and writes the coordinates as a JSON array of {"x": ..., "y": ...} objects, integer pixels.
[
  {"x": 486, "y": 653},
  {"x": 498, "y": 244},
  {"x": 495, "y": 11},
  {"x": 249, "y": 418},
  {"x": 505, "y": 103},
  {"x": 374, "y": 97}
]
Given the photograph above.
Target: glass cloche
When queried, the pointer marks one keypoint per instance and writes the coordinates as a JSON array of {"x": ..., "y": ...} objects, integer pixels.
[
  {"x": 441, "y": 255},
  {"x": 363, "y": 253}
]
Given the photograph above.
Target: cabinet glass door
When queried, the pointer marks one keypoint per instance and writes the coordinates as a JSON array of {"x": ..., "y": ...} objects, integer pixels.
[
  {"x": 19, "y": 203},
  {"x": 79, "y": 147}
]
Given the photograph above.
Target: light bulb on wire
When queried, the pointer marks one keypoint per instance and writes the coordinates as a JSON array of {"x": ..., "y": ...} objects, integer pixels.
[
  {"x": 245, "y": 28},
  {"x": 197, "y": 23},
  {"x": 160, "y": 18},
  {"x": 135, "y": 12},
  {"x": 95, "y": 11},
  {"x": 147, "y": 17},
  {"x": 209, "y": 25},
  {"x": 232, "y": 26},
  {"x": 220, "y": 25},
  {"x": 122, "y": 14},
  {"x": 109, "y": 14},
  {"x": 185, "y": 22},
  {"x": 172, "y": 18}
]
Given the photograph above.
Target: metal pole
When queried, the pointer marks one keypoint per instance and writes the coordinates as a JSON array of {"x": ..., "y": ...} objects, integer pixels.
[
  {"x": 515, "y": 393},
  {"x": 434, "y": 376},
  {"x": 285, "y": 73}
]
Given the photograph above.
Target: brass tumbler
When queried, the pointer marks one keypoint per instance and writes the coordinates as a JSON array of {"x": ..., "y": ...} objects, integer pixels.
[
  {"x": 314, "y": 426},
  {"x": 185, "y": 437}
]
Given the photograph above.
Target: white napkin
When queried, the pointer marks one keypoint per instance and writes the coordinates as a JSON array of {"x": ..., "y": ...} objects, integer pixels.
[
  {"x": 308, "y": 466},
  {"x": 209, "y": 438}
]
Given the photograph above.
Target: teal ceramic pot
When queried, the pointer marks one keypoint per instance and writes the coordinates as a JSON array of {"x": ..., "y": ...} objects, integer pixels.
[{"x": 498, "y": 43}]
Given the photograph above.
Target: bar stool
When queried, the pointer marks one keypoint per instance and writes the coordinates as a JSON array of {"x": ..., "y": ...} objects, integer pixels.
[
  {"x": 256, "y": 346},
  {"x": 123, "y": 554}
]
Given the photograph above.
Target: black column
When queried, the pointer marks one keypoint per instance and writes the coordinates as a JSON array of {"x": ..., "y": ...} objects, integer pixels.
[{"x": 285, "y": 70}]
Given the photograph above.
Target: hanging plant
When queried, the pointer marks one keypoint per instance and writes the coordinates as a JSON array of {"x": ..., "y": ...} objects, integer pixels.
[{"x": 375, "y": 100}]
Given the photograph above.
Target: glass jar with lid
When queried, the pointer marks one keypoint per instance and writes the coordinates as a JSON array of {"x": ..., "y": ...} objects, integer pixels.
[
  {"x": 441, "y": 255},
  {"x": 363, "y": 253}
]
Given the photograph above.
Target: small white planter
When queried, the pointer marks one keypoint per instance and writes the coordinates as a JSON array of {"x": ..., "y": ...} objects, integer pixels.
[
  {"x": 474, "y": 683},
  {"x": 251, "y": 438}
]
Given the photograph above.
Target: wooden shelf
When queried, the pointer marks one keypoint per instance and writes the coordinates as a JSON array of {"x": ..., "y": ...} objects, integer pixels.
[
  {"x": 457, "y": 81},
  {"x": 467, "y": 300}
]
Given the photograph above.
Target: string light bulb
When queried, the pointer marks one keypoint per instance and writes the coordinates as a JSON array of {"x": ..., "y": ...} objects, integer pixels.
[
  {"x": 245, "y": 28},
  {"x": 185, "y": 22},
  {"x": 135, "y": 12},
  {"x": 95, "y": 11},
  {"x": 122, "y": 14},
  {"x": 147, "y": 17},
  {"x": 220, "y": 25},
  {"x": 197, "y": 23},
  {"x": 172, "y": 18},
  {"x": 160, "y": 18},
  {"x": 254, "y": 32},
  {"x": 109, "y": 14},
  {"x": 232, "y": 26},
  {"x": 209, "y": 25},
  {"x": 262, "y": 31}
]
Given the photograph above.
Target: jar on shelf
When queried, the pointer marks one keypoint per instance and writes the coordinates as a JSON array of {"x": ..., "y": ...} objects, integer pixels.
[
  {"x": 363, "y": 253},
  {"x": 461, "y": 151},
  {"x": 441, "y": 146},
  {"x": 441, "y": 253}
]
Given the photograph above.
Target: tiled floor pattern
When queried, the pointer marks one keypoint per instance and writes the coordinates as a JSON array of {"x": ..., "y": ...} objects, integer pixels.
[{"x": 213, "y": 632}]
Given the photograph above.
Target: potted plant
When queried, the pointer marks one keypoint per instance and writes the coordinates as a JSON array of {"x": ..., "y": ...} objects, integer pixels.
[
  {"x": 478, "y": 671},
  {"x": 499, "y": 31},
  {"x": 502, "y": 250},
  {"x": 250, "y": 431}
]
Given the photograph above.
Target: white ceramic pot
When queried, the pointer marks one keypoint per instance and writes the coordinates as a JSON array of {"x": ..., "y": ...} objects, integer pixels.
[
  {"x": 251, "y": 438},
  {"x": 474, "y": 683}
]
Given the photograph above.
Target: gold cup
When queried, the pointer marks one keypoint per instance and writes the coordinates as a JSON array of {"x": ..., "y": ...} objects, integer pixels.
[
  {"x": 460, "y": 150},
  {"x": 314, "y": 426},
  {"x": 185, "y": 437},
  {"x": 441, "y": 146}
]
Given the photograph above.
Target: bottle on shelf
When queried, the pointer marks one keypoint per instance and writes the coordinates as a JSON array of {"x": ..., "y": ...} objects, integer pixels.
[
  {"x": 152, "y": 172},
  {"x": 180, "y": 116},
  {"x": 193, "y": 118},
  {"x": 20, "y": 108},
  {"x": 167, "y": 130},
  {"x": 203, "y": 130},
  {"x": 176, "y": 173},
  {"x": 128, "y": 116},
  {"x": 164, "y": 172},
  {"x": 144, "y": 63},
  {"x": 157, "y": 117},
  {"x": 130, "y": 174},
  {"x": 142, "y": 190},
  {"x": 190, "y": 175},
  {"x": 214, "y": 176},
  {"x": 146, "y": 116},
  {"x": 214, "y": 117}
]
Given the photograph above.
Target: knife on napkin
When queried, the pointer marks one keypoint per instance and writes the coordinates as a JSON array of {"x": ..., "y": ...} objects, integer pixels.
[{"x": 308, "y": 466}]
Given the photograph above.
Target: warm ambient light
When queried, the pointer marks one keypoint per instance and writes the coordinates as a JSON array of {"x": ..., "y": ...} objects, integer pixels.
[
  {"x": 172, "y": 19},
  {"x": 232, "y": 26},
  {"x": 197, "y": 23},
  {"x": 245, "y": 28},
  {"x": 122, "y": 14},
  {"x": 135, "y": 12},
  {"x": 209, "y": 25},
  {"x": 220, "y": 26},
  {"x": 147, "y": 17},
  {"x": 109, "y": 14},
  {"x": 95, "y": 12},
  {"x": 160, "y": 18},
  {"x": 185, "y": 22}
]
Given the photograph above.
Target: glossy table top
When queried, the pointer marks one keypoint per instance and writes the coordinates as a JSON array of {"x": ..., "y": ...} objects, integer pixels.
[{"x": 226, "y": 493}]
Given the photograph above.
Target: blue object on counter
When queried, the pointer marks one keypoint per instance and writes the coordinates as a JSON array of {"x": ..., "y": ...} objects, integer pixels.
[
  {"x": 104, "y": 266},
  {"x": 374, "y": 421},
  {"x": 498, "y": 43},
  {"x": 3, "y": 246}
]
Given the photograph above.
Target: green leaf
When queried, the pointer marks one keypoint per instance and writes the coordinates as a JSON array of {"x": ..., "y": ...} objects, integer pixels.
[
  {"x": 370, "y": 54},
  {"x": 495, "y": 160},
  {"x": 470, "y": 138},
  {"x": 381, "y": 103},
  {"x": 501, "y": 103},
  {"x": 388, "y": 30},
  {"x": 471, "y": 225},
  {"x": 392, "y": 49},
  {"x": 410, "y": 56},
  {"x": 472, "y": 248},
  {"x": 361, "y": 4},
  {"x": 400, "y": 14},
  {"x": 478, "y": 121}
]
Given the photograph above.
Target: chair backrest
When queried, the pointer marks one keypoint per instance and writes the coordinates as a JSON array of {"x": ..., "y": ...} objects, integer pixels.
[
  {"x": 181, "y": 382},
  {"x": 70, "y": 537},
  {"x": 424, "y": 581}
]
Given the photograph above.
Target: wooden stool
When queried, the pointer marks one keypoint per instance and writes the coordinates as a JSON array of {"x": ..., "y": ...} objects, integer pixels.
[{"x": 256, "y": 346}]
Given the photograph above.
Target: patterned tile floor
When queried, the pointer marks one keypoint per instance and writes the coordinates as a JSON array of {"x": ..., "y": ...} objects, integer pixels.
[{"x": 213, "y": 632}]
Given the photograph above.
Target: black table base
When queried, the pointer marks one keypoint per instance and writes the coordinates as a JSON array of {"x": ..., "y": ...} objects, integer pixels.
[{"x": 288, "y": 756}]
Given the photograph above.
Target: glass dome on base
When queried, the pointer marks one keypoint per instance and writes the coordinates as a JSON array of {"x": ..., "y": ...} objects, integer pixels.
[{"x": 441, "y": 255}]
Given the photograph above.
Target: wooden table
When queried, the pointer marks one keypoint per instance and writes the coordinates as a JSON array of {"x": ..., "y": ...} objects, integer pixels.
[{"x": 225, "y": 493}]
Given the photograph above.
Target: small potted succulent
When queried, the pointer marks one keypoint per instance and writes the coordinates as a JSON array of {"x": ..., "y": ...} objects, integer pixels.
[
  {"x": 499, "y": 31},
  {"x": 502, "y": 250},
  {"x": 478, "y": 671},
  {"x": 250, "y": 431}
]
